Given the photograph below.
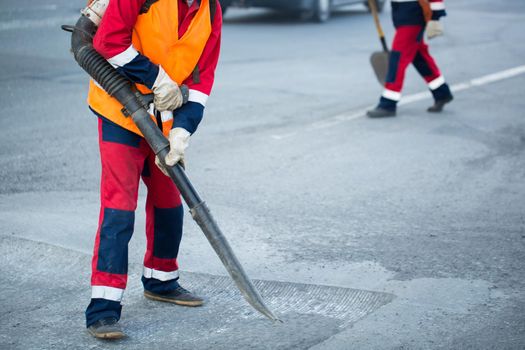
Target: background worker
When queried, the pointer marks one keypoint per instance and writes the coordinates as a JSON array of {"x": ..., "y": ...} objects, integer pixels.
[
  {"x": 159, "y": 45},
  {"x": 411, "y": 18}
]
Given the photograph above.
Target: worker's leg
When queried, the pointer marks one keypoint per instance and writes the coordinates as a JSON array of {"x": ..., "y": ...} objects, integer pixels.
[
  {"x": 122, "y": 155},
  {"x": 428, "y": 69},
  {"x": 404, "y": 49},
  {"x": 164, "y": 218}
]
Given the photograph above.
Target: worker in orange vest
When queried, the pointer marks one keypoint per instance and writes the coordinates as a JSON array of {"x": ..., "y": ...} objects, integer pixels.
[{"x": 158, "y": 45}]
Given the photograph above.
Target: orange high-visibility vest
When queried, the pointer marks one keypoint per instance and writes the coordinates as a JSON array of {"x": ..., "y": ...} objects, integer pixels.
[{"x": 156, "y": 36}]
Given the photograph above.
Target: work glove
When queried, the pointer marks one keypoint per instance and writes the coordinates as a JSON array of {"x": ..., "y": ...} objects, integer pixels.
[
  {"x": 434, "y": 29},
  {"x": 179, "y": 139},
  {"x": 167, "y": 94}
]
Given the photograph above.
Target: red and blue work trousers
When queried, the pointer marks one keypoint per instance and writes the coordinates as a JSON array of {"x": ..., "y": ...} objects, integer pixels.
[
  {"x": 126, "y": 158},
  {"x": 409, "y": 47}
]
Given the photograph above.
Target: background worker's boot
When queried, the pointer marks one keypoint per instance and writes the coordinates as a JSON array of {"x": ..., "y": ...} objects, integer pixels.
[
  {"x": 439, "y": 104},
  {"x": 106, "y": 328},
  {"x": 442, "y": 96},
  {"x": 179, "y": 296},
  {"x": 379, "y": 112},
  {"x": 385, "y": 108}
]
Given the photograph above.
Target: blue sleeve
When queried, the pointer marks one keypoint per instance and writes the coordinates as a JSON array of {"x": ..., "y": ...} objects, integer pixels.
[
  {"x": 436, "y": 15},
  {"x": 140, "y": 70},
  {"x": 188, "y": 116}
]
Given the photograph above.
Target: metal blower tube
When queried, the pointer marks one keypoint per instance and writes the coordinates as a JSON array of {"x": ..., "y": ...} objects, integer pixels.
[{"x": 120, "y": 88}]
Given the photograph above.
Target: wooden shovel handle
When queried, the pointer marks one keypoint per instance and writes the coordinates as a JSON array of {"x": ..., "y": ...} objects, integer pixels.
[{"x": 373, "y": 9}]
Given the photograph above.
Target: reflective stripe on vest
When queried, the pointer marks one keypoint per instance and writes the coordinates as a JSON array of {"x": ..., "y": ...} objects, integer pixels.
[{"x": 156, "y": 36}]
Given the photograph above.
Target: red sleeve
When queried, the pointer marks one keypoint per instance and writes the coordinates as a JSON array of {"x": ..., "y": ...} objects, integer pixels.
[
  {"x": 209, "y": 58},
  {"x": 114, "y": 33}
]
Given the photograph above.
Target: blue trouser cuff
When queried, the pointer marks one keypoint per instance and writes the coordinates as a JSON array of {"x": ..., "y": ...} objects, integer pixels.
[
  {"x": 387, "y": 104},
  {"x": 159, "y": 287},
  {"x": 102, "y": 308},
  {"x": 442, "y": 93}
]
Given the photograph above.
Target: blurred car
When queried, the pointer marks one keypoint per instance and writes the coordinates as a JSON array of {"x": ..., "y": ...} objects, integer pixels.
[{"x": 318, "y": 10}]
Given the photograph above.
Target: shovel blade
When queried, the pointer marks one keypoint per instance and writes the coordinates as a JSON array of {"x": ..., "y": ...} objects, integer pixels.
[{"x": 379, "y": 61}]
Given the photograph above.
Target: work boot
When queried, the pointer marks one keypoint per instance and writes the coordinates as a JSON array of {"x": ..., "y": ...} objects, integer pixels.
[
  {"x": 106, "y": 328},
  {"x": 439, "y": 104},
  {"x": 379, "y": 112},
  {"x": 179, "y": 296}
]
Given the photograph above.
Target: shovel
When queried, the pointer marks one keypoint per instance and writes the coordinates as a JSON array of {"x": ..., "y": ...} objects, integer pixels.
[{"x": 379, "y": 59}]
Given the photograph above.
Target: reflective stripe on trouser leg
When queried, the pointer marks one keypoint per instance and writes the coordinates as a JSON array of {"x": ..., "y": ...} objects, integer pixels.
[
  {"x": 389, "y": 100},
  {"x": 122, "y": 156},
  {"x": 164, "y": 219},
  {"x": 105, "y": 302}
]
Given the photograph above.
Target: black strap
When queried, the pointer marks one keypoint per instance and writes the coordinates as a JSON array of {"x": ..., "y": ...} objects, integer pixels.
[
  {"x": 196, "y": 75},
  {"x": 147, "y": 4},
  {"x": 213, "y": 8},
  {"x": 159, "y": 119}
]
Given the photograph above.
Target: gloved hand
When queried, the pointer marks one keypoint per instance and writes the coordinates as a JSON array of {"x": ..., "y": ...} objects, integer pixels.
[
  {"x": 434, "y": 29},
  {"x": 179, "y": 139},
  {"x": 167, "y": 95}
]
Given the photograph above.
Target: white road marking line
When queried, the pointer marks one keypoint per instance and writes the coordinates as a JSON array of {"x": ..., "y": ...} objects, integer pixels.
[
  {"x": 361, "y": 113},
  {"x": 491, "y": 78}
]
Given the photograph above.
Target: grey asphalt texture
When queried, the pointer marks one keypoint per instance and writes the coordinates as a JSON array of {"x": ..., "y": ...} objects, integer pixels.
[{"x": 413, "y": 226}]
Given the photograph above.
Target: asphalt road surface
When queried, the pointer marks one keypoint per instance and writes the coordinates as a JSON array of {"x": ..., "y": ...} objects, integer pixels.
[{"x": 405, "y": 233}]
